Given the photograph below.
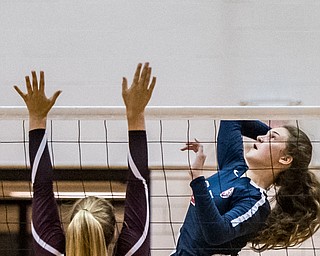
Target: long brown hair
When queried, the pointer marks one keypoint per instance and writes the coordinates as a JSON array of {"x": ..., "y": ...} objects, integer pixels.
[
  {"x": 92, "y": 227},
  {"x": 296, "y": 215}
]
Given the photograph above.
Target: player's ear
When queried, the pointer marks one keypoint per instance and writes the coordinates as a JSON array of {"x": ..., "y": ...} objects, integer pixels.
[{"x": 286, "y": 160}]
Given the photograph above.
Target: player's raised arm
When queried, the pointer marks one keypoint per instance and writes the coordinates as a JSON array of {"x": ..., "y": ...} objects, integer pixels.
[
  {"x": 135, "y": 235},
  {"x": 48, "y": 235}
]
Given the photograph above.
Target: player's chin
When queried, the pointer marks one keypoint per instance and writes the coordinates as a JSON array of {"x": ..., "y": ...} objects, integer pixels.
[
  {"x": 250, "y": 156},
  {"x": 250, "y": 153}
]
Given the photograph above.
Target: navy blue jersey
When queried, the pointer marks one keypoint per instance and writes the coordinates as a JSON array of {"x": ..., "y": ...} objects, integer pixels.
[
  {"x": 227, "y": 209},
  {"x": 47, "y": 232}
]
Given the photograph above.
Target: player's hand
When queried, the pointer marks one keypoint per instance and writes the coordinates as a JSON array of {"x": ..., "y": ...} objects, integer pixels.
[
  {"x": 138, "y": 95},
  {"x": 197, "y": 166},
  {"x": 36, "y": 101}
]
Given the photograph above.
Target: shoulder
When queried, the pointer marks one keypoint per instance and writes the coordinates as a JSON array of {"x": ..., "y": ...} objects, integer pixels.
[{"x": 247, "y": 191}]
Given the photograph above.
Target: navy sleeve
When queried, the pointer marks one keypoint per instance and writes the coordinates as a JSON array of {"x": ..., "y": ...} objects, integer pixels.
[
  {"x": 48, "y": 235},
  {"x": 230, "y": 143},
  {"x": 134, "y": 238},
  {"x": 252, "y": 129},
  {"x": 218, "y": 229}
]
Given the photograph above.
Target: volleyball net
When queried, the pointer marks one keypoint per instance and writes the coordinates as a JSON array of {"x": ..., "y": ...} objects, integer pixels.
[{"x": 88, "y": 147}]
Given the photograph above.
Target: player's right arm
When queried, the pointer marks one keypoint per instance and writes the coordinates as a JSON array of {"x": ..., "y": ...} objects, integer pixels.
[
  {"x": 135, "y": 235},
  {"x": 47, "y": 232},
  {"x": 230, "y": 141}
]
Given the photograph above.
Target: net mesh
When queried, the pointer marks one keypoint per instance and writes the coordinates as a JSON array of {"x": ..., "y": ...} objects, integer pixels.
[{"x": 89, "y": 153}]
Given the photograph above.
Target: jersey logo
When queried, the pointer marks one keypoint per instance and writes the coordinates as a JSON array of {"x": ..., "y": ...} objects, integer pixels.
[
  {"x": 236, "y": 172},
  {"x": 227, "y": 193}
]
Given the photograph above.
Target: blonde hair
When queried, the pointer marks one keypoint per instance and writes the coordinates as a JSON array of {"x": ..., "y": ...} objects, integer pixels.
[{"x": 92, "y": 227}]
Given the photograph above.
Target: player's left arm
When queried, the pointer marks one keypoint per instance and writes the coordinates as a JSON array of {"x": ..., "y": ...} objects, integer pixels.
[{"x": 135, "y": 235}]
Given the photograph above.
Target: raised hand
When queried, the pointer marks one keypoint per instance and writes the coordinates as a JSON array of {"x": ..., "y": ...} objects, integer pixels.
[
  {"x": 137, "y": 96},
  {"x": 36, "y": 101},
  {"x": 197, "y": 166}
]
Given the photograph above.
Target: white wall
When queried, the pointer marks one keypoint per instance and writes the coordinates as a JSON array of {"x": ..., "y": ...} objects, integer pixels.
[{"x": 203, "y": 52}]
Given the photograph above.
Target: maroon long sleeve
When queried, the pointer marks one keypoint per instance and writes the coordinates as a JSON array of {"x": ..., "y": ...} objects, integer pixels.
[{"x": 48, "y": 235}]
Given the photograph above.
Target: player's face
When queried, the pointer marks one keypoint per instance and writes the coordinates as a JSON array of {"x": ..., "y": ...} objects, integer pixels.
[{"x": 268, "y": 149}]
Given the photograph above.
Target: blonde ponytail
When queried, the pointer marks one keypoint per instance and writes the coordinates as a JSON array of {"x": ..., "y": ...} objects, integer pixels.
[{"x": 91, "y": 229}]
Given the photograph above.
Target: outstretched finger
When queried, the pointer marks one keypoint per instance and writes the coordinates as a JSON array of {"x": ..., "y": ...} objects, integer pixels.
[
  {"x": 187, "y": 146},
  {"x": 190, "y": 146},
  {"x": 137, "y": 74},
  {"x": 147, "y": 79},
  {"x": 152, "y": 85},
  {"x": 19, "y": 91},
  {"x": 34, "y": 81},
  {"x": 124, "y": 85},
  {"x": 144, "y": 73},
  {"x": 184, "y": 148},
  {"x": 28, "y": 85},
  {"x": 42, "y": 83},
  {"x": 54, "y": 98}
]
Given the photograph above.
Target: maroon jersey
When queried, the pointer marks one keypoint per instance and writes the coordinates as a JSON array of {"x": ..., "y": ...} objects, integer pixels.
[{"x": 47, "y": 232}]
